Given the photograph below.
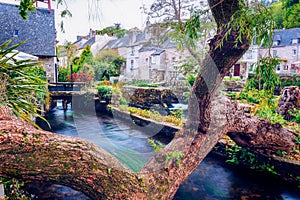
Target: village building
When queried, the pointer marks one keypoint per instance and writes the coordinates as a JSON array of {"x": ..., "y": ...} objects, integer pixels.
[
  {"x": 286, "y": 46},
  {"x": 38, "y": 32}
]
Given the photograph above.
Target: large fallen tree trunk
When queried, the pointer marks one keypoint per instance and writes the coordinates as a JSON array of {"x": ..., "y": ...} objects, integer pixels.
[{"x": 30, "y": 154}]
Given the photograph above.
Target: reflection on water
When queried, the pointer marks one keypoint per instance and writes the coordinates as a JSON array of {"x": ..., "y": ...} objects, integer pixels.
[{"x": 212, "y": 180}]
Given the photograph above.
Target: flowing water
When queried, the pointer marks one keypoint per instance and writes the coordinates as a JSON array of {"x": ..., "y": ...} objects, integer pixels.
[{"x": 212, "y": 180}]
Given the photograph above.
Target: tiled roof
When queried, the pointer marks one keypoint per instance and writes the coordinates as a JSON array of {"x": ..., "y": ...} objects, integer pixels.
[
  {"x": 285, "y": 36},
  {"x": 38, "y": 30}
]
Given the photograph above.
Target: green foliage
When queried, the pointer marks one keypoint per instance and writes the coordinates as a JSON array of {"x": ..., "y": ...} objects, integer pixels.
[
  {"x": 178, "y": 113},
  {"x": 253, "y": 96},
  {"x": 232, "y": 79},
  {"x": 123, "y": 101},
  {"x": 232, "y": 95},
  {"x": 86, "y": 57},
  {"x": 250, "y": 21},
  {"x": 25, "y": 6},
  {"x": 13, "y": 189},
  {"x": 293, "y": 82},
  {"x": 105, "y": 91},
  {"x": 236, "y": 155},
  {"x": 23, "y": 85},
  {"x": 276, "y": 10},
  {"x": 108, "y": 63},
  {"x": 108, "y": 171},
  {"x": 153, "y": 115},
  {"x": 295, "y": 114},
  {"x": 265, "y": 76},
  {"x": 292, "y": 19},
  {"x": 175, "y": 156},
  {"x": 191, "y": 79},
  {"x": 156, "y": 145},
  {"x": 142, "y": 83},
  {"x": 112, "y": 31},
  {"x": 63, "y": 73},
  {"x": 268, "y": 168}
]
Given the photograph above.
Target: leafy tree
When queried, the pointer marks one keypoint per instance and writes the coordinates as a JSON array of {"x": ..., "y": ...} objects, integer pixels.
[
  {"x": 276, "y": 10},
  {"x": 188, "y": 25},
  {"x": 113, "y": 31},
  {"x": 265, "y": 77},
  {"x": 291, "y": 13},
  {"x": 86, "y": 57},
  {"x": 23, "y": 85},
  {"x": 108, "y": 63},
  {"x": 293, "y": 18},
  {"x": 69, "y": 50}
]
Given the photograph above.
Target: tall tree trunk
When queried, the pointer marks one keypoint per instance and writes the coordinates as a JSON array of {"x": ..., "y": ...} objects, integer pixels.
[{"x": 31, "y": 154}]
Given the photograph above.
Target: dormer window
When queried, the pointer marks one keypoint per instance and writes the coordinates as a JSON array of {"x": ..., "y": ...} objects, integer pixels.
[
  {"x": 276, "y": 40},
  {"x": 16, "y": 33},
  {"x": 295, "y": 41},
  {"x": 276, "y": 43}
]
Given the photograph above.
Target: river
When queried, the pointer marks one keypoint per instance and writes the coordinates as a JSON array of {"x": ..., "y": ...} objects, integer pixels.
[{"x": 213, "y": 179}]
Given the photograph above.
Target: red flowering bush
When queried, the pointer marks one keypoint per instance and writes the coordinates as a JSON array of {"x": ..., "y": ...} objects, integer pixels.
[{"x": 80, "y": 77}]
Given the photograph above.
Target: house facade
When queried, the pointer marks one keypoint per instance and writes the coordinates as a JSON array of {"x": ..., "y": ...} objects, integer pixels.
[
  {"x": 38, "y": 31},
  {"x": 286, "y": 46},
  {"x": 245, "y": 65},
  {"x": 96, "y": 42},
  {"x": 147, "y": 58}
]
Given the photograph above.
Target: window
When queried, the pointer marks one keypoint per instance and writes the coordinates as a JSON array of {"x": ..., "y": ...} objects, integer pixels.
[
  {"x": 274, "y": 52},
  {"x": 16, "y": 33},
  {"x": 153, "y": 59},
  {"x": 276, "y": 43},
  {"x": 294, "y": 52},
  {"x": 295, "y": 41},
  {"x": 132, "y": 51},
  {"x": 131, "y": 64},
  {"x": 249, "y": 54}
]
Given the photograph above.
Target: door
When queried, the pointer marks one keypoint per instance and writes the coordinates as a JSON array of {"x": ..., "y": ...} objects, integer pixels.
[{"x": 236, "y": 70}]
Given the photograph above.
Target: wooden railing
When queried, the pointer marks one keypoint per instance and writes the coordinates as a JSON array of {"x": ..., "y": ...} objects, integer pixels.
[{"x": 66, "y": 86}]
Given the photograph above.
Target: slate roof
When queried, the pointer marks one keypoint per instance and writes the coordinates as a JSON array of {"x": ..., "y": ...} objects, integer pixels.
[
  {"x": 90, "y": 42},
  {"x": 147, "y": 48},
  {"x": 118, "y": 43},
  {"x": 158, "y": 52},
  {"x": 169, "y": 44},
  {"x": 285, "y": 36},
  {"x": 38, "y": 30}
]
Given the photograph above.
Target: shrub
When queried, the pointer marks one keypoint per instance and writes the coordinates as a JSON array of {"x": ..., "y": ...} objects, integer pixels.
[
  {"x": 80, "y": 77},
  {"x": 191, "y": 79},
  {"x": 62, "y": 74},
  {"x": 104, "y": 91}
]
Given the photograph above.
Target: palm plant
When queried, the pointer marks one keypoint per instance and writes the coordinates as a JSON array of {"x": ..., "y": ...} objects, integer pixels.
[{"x": 23, "y": 87}]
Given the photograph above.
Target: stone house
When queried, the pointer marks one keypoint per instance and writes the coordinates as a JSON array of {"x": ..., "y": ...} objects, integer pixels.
[
  {"x": 38, "y": 31},
  {"x": 286, "y": 45},
  {"x": 96, "y": 42},
  {"x": 245, "y": 65},
  {"x": 147, "y": 57}
]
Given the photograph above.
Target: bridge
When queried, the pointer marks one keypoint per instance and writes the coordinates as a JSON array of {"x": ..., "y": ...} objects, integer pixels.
[{"x": 66, "y": 90}]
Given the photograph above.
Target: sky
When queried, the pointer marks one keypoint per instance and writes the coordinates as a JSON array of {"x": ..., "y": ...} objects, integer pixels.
[{"x": 97, "y": 14}]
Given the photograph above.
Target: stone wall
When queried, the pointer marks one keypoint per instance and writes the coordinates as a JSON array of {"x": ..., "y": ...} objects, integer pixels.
[{"x": 146, "y": 97}]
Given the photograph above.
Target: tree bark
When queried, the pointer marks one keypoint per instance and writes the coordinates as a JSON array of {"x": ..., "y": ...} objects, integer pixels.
[{"x": 30, "y": 154}]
